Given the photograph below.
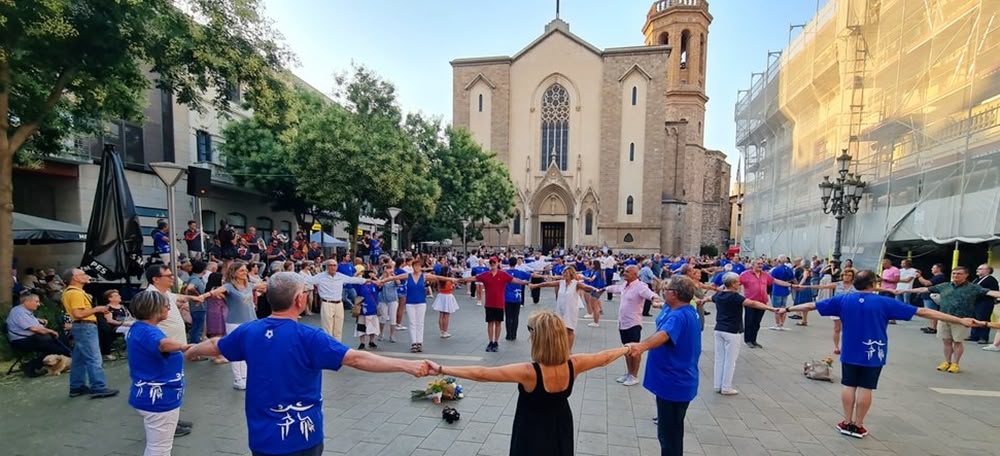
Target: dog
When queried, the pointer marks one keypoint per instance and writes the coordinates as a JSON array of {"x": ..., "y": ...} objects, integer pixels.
[{"x": 53, "y": 365}]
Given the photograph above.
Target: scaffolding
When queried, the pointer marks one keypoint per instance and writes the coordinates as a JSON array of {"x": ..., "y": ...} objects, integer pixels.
[{"x": 911, "y": 88}]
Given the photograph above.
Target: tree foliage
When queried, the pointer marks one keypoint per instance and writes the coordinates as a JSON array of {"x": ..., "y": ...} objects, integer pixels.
[{"x": 68, "y": 66}]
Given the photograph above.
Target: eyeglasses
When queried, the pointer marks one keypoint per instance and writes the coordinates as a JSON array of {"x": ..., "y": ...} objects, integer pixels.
[{"x": 163, "y": 276}]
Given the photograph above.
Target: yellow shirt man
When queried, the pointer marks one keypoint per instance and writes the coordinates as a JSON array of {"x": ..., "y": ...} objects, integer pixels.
[{"x": 75, "y": 298}]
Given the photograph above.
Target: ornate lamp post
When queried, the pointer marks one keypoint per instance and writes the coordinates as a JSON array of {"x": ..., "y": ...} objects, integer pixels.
[
  {"x": 393, "y": 212},
  {"x": 841, "y": 197},
  {"x": 465, "y": 242}
]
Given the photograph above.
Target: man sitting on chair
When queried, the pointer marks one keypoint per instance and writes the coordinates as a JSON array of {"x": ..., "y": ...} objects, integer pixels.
[{"x": 28, "y": 333}]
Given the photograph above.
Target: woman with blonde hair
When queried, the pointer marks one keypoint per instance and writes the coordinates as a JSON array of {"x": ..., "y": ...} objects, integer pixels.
[
  {"x": 571, "y": 299},
  {"x": 543, "y": 421},
  {"x": 239, "y": 298}
]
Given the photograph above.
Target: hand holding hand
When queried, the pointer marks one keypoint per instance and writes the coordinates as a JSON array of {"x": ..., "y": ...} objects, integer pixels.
[
  {"x": 970, "y": 322},
  {"x": 432, "y": 367},
  {"x": 634, "y": 349},
  {"x": 781, "y": 310}
]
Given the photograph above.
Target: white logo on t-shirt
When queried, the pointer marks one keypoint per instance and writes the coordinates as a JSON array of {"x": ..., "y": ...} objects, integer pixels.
[
  {"x": 306, "y": 425},
  {"x": 269, "y": 334},
  {"x": 872, "y": 344}
]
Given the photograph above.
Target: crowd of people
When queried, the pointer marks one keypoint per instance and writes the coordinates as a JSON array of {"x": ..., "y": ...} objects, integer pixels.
[{"x": 231, "y": 309}]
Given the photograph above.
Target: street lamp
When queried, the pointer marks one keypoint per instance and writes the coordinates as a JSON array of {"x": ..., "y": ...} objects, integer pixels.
[
  {"x": 841, "y": 196},
  {"x": 465, "y": 242},
  {"x": 500, "y": 231},
  {"x": 393, "y": 212},
  {"x": 170, "y": 173}
]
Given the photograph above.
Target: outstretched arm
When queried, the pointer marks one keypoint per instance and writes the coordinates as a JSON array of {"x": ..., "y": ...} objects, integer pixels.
[
  {"x": 370, "y": 362},
  {"x": 935, "y": 315},
  {"x": 583, "y": 362},
  {"x": 510, "y": 373},
  {"x": 552, "y": 284},
  {"x": 798, "y": 308},
  {"x": 757, "y": 305}
]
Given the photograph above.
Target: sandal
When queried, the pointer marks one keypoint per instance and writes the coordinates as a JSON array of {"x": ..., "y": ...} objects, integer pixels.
[
  {"x": 413, "y": 348},
  {"x": 801, "y": 324}
]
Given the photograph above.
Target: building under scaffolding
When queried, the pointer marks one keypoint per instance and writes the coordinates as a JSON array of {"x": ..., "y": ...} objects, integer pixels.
[{"x": 911, "y": 88}]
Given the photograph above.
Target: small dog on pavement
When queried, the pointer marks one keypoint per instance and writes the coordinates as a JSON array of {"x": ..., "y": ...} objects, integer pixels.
[{"x": 53, "y": 365}]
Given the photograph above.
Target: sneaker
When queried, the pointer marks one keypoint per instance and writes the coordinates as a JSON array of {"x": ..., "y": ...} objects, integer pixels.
[
  {"x": 110, "y": 357},
  {"x": 183, "y": 423},
  {"x": 392, "y": 341},
  {"x": 931, "y": 331},
  {"x": 845, "y": 428},
  {"x": 362, "y": 346},
  {"x": 380, "y": 338},
  {"x": 240, "y": 386},
  {"x": 858, "y": 431},
  {"x": 717, "y": 390},
  {"x": 944, "y": 366},
  {"x": 372, "y": 345},
  {"x": 479, "y": 304},
  {"x": 413, "y": 348},
  {"x": 782, "y": 328},
  {"x": 631, "y": 381},
  {"x": 991, "y": 348},
  {"x": 420, "y": 348},
  {"x": 593, "y": 325},
  {"x": 103, "y": 393},
  {"x": 729, "y": 392},
  {"x": 774, "y": 328},
  {"x": 790, "y": 317},
  {"x": 400, "y": 328},
  {"x": 954, "y": 369},
  {"x": 181, "y": 431},
  {"x": 983, "y": 342},
  {"x": 622, "y": 378},
  {"x": 81, "y": 391},
  {"x": 588, "y": 316},
  {"x": 756, "y": 345},
  {"x": 445, "y": 335}
]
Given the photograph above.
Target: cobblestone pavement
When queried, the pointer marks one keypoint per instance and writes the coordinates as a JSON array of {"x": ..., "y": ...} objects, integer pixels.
[{"x": 917, "y": 411}]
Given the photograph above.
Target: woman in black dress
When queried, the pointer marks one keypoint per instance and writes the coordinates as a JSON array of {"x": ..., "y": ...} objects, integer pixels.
[{"x": 543, "y": 422}]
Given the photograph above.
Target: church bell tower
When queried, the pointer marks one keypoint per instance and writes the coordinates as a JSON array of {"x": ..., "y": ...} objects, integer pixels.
[{"x": 683, "y": 25}]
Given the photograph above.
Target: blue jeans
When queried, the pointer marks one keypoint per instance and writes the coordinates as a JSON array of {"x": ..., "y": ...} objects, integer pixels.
[
  {"x": 930, "y": 304},
  {"x": 197, "y": 326},
  {"x": 984, "y": 310},
  {"x": 670, "y": 426},
  {"x": 348, "y": 296},
  {"x": 87, "y": 362}
]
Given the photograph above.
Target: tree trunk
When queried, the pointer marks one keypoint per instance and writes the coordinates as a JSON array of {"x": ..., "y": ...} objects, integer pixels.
[{"x": 6, "y": 224}]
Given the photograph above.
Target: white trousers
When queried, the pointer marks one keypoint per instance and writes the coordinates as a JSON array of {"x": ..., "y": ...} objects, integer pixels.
[
  {"x": 160, "y": 427},
  {"x": 416, "y": 314},
  {"x": 239, "y": 367},
  {"x": 727, "y": 349},
  {"x": 331, "y": 315}
]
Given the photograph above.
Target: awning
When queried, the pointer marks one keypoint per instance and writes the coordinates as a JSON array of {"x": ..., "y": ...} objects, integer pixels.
[
  {"x": 29, "y": 229},
  {"x": 325, "y": 240}
]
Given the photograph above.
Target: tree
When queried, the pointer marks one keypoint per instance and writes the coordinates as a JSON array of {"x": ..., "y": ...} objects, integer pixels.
[
  {"x": 258, "y": 155},
  {"x": 69, "y": 66}
]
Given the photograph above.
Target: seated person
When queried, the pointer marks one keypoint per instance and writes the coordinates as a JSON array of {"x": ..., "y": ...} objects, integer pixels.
[
  {"x": 117, "y": 317},
  {"x": 27, "y": 333},
  {"x": 30, "y": 279}
]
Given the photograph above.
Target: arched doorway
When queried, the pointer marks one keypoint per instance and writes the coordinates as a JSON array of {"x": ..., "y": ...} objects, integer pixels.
[{"x": 552, "y": 215}]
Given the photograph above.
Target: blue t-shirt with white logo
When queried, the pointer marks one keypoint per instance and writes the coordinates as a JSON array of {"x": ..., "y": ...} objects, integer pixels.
[
  {"x": 514, "y": 293},
  {"x": 593, "y": 278},
  {"x": 369, "y": 292},
  {"x": 739, "y": 268},
  {"x": 557, "y": 269},
  {"x": 672, "y": 368},
  {"x": 284, "y": 398},
  {"x": 865, "y": 318},
  {"x": 476, "y": 270},
  {"x": 157, "y": 377}
]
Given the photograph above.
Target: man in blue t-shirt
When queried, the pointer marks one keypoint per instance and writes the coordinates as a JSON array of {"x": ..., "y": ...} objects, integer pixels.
[
  {"x": 672, "y": 367},
  {"x": 513, "y": 296},
  {"x": 779, "y": 293},
  {"x": 286, "y": 359},
  {"x": 865, "y": 318}
]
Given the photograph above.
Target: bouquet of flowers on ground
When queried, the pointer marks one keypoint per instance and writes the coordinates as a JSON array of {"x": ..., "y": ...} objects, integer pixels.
[
  {"x": 441, "y": 388},
  {"x": 828, "y": 360}
]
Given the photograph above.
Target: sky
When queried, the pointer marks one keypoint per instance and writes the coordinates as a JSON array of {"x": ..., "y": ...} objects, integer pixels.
[{"x": 410, "y": 42}]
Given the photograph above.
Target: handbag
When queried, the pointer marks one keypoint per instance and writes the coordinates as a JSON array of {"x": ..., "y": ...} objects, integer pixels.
[
  {"x": 358, "y": 307},
  {"x": 817, "y": 370}
]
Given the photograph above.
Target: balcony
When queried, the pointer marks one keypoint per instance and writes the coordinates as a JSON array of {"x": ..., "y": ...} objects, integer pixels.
[{"x": 663, "y": 6}]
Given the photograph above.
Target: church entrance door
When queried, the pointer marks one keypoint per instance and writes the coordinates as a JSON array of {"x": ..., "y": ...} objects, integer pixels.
[{"x": 553, "y": 235}]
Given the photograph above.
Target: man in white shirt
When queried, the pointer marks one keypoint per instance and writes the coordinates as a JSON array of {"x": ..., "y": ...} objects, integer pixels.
[
  {"x": 907, "y": 274},
  {"x": 330, "y": 285},
  {"x": 608, "y": 264}
]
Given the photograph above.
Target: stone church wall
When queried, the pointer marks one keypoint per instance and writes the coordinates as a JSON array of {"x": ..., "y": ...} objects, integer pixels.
[{"x": 499, "y": 74}]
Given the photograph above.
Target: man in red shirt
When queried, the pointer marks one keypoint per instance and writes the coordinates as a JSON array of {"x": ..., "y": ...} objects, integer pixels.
[
  {"x": 495, "y": 283},
  {"x": 755, "y": 282}
]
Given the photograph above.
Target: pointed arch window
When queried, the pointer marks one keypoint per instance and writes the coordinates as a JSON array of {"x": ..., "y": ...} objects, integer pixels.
[
  {"x": 480, "y": 102},
  {"x": 629, "y": 205},
  {"x": 588, "y": 223},
  {"x": 631, "y": 152},
  {"x": 517, "y": 223},
  {"x": 555, "y": 127}
]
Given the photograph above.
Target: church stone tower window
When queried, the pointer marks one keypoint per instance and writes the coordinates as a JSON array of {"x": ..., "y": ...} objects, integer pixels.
[
  {"x": 480, "y": 102},
  {"x": 631, "y": 152},
  {"x": 685, "y": 42},
  {"x": 629, "y": 206},
  {"x": 635, "y": 95},
  {"x": 588, "y": 223},
  {"x": 517, "y": 223},
  {"x": 555, "y": 127}
]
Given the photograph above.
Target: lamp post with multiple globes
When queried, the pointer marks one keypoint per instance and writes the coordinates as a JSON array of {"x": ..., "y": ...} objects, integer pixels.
[{"x": 841, "y": 196}]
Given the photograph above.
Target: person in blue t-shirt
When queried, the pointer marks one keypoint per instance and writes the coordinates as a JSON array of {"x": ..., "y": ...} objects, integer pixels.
[
  {"x": 480, "y": 291},
  {"x": 286, "y": 359},
  {"x": 156, "y": 367},
  {"x": 346, "y": 267},
  {"x": 557, "y": 269},
  {"x": 513, "y": 296},
  {"x": 780, "y": 293},
  {"x": 161, "y": 240},
  {"x": 367, "y": 322},
  {"x": 672, "y": 367},
  {"x": 865, "y": 343}
]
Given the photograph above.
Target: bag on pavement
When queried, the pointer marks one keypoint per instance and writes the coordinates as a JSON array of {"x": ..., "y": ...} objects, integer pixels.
[{"x": 818, "y": 370}]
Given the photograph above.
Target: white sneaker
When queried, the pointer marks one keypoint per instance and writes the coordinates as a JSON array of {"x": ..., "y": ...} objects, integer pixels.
[
  {"x": 631, "y": 381},
  {"x": 782, "y": 328},
  {"x": 622, "y": 378},
  {"x": 400, "y": 328},
  {"x": 729, "y": 392},
  {"x": 445, "y": 335},
  {"x": 588, "y": 316},
  {"x": 240, "y": 387},
  {"x": 593, "y": 325},
  {"x": 991, "y": 348},
  {"x": 479, "y": 304},
  {"x": 774, "y": 328}
]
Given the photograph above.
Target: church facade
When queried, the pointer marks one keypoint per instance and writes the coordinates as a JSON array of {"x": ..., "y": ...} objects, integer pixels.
[{"x": 604, "y": 145}]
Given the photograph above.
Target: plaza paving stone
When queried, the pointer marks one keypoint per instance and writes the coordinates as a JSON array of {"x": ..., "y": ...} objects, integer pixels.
[{"x": 778, "y": 411}]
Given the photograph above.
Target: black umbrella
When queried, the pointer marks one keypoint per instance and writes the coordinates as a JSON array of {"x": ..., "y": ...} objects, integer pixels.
[
  {"x": 114, "y": 238},
  {"x": 29, "y": 229}
]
